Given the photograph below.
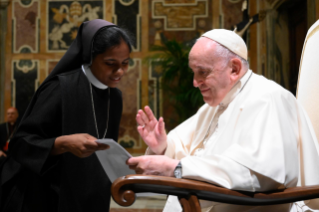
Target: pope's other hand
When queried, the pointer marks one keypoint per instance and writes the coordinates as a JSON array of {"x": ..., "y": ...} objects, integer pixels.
[{"x": 153, "y": 165}]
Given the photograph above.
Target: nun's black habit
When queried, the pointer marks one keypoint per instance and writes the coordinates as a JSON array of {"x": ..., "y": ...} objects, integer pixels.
[{"x": 34, "y": 181}]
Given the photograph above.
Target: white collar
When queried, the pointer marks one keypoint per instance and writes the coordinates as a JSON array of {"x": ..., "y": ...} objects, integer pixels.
[
  {"x": 93, "y": 80},
  {"x": 236, "y": 89}
]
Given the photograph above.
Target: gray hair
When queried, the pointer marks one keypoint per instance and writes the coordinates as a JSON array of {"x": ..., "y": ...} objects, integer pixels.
[{"x": 227, "y": 55}]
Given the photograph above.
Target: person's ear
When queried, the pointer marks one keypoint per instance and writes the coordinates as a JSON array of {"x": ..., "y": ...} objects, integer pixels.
[{"x": 236, "y": 66}]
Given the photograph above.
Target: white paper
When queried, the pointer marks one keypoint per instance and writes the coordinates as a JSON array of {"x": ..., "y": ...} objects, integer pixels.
[{"x": 113, "y": 159}]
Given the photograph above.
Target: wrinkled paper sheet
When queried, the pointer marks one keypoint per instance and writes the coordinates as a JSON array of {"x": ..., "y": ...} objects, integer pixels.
[{"x": 113, "y": 161}]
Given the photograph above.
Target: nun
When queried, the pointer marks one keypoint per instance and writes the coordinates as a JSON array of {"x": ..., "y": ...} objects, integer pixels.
[{"x": 52, "y": 164}]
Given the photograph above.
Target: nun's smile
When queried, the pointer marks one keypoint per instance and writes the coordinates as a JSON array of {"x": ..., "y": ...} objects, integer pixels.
[{"x": 110, "y": 66}]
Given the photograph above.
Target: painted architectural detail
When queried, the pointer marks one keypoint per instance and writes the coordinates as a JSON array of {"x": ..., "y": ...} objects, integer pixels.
[
  {"x": 64, "y": 19},
  {"x": 275, "y": 4},
  {"x": 180, "y": 1},
  {"x": 234, "y": 1},
  {"x": 158, "y": 38},
  {"x": 131, "y": 94},
  {"x": 179, "y": 15},
  {"x": 127, "y": 141},
  {"x": 202, "y": 24},
  {"x": 51, "y": 63},
  {"x": 4, "y": 3},
  {"x": 232, "y": 14},
  {"x": 126, "y": 2},
  {"x": 25, "y": 26},
  {"x": 24, "y": 81},
  {"x": 127, "y": 14},
  {"x": 154, "y": 91}
]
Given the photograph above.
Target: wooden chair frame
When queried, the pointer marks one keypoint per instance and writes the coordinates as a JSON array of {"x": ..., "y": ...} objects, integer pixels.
[{"x": 190, "y": 191}]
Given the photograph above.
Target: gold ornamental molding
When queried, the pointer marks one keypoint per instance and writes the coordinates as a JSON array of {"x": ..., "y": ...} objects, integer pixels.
[{"x": 179, "y": 15}]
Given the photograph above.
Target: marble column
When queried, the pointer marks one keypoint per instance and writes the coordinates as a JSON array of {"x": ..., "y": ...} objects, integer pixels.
[{"x": 3, "y": 32}]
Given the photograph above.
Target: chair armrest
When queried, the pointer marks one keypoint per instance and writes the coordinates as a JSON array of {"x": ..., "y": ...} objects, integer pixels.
[{"x": 124, "y": 189}]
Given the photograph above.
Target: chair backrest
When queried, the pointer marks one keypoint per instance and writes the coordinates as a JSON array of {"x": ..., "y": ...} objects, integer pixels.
[
  {"x": 308, "y": 97},
  {"x": 308, "y": 81}
]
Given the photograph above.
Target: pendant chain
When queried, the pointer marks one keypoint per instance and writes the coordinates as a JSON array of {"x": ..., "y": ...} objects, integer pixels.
[
  {"x": 108, "y": 112},
  {"x": 208, "y": 129}
]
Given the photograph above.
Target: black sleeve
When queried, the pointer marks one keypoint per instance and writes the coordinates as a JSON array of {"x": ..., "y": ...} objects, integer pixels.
[
  {"x": 3, "y": 135},
  {"x": 35, "y": 137}
]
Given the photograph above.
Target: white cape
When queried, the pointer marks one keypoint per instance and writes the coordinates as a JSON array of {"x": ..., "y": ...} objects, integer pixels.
[{"x": 265, "y": 142}]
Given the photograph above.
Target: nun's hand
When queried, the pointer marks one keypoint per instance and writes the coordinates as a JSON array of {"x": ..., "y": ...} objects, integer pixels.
[
  {"x": 152, "y": 131},
  {"x": 80, "y": 145},
  {"x": 2, "y": 154}
]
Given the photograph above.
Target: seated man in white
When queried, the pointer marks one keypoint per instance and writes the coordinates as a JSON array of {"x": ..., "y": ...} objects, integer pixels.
[{"x": 248, "y": 136}]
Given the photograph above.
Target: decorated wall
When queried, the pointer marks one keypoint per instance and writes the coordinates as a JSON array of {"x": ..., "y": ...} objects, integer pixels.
[{"x": 38, "y": 33}]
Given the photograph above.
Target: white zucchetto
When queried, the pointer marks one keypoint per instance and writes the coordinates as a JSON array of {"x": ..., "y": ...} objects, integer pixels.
[{"x": 230, "y": 40}]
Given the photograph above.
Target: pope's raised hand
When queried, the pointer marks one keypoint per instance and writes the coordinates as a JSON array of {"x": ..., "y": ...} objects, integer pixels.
[{"x": 152, "y": 130}]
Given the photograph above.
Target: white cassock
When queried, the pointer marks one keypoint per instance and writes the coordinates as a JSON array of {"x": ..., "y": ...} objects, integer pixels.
[{"x": 258, "y": 139}]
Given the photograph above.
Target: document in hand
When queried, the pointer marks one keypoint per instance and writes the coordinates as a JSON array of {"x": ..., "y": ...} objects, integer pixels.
[{"x": 113, "y": 159}]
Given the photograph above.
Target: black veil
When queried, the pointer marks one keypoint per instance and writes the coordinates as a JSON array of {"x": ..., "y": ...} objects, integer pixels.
[
  {"x": 80, "y": 50},
  {"x": 78, "y": 53}
]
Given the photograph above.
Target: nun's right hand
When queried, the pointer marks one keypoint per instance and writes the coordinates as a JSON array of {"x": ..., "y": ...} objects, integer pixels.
[{"x": 80, "y": 145}]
